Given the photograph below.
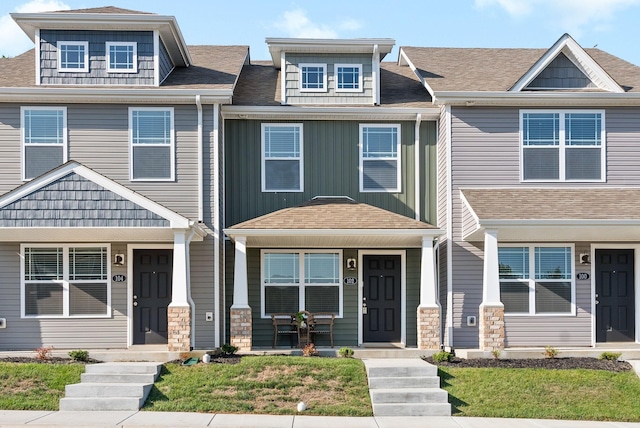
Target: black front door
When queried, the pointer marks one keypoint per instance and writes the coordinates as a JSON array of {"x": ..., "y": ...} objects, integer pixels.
[
  {"x": 615, "y": 307},
  {"x": 381, "y": 305},
  {"x": 152, "y": 274}
]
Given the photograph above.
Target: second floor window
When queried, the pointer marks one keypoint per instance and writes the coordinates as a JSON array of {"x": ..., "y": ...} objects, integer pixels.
[
  {"x": 282, "y": 157},
  {"x": 121, "y": 57},
  {"x": 562, "y": 145},
  {"x": 44, "y": 139},
  {"x": 313, "y": 77},
  {"x": 348, "y": 78},
  {"x": 152, "y": 144},
  {"x": 73, "y": 56},
  {"x": 379, "y": 158}
]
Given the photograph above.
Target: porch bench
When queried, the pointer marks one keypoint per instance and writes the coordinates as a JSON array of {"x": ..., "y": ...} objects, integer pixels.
[
  {"x": 322, "y": 323},
  {"x": 286, "y": 325}
]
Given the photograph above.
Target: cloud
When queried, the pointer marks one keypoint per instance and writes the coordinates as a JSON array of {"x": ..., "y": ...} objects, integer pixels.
[
  {"x": 295, "y": 23},
  {"x": 13, "y": 41}
]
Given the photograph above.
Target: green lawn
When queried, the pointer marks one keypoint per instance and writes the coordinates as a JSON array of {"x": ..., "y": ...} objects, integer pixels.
[
  {"x": 541, "y": 393},
  {"x": 33, "y": 386},
  {"x": 270, "y": 385}
]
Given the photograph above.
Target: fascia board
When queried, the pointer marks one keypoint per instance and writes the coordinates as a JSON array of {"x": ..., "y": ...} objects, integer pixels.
[
  {"x": 491, "y": 223},
  {"x": 232, "y": 233},
  {"x": 116, "y": 95},
  {"x": 404, "y": 58},
  {"x": 333, "y": 113},
  {"x": 471, "y": 98},
  {"x": 293, "y": 45}
]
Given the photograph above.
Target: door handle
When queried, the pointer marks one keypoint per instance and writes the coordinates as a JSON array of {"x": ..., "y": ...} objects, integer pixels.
[{"x": 135, "y": 303}]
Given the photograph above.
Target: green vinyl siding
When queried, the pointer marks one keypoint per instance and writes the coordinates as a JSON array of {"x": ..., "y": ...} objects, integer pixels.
[
  {"x": 331, "y": 160},
  {"x": 413, "y": 295}
]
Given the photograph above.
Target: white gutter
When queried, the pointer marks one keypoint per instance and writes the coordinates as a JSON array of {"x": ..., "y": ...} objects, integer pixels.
[
  {"x": 471, "y": 98},
  {"x": 417, "y": 166},
  {"x": 449, "y": 163},
  {"x": 215, "y": 183},
  {"x": 335, "y": 113},
  {"x": 200, "y": 162},
  {"x": 432, "y": 232},
  {"x": 147, "y": 94},
  {"x": 375, "y": 71}
]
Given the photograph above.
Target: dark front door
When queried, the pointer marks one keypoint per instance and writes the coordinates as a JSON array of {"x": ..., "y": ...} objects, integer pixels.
[
  {"x": 615, "y": 308},
  {"x": 381, "y": 305},
  {"x": 152, "y": 273}
]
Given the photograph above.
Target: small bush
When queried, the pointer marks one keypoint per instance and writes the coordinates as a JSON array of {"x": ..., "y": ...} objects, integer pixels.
[
  {"x": 310, "y": 350},
  {"x": 442, "y": 356},
  {"x": 227, "y": 349},
  {"x": 79, "y": 355},
  {"x": 496, "y": 353},
  {"x": 43, "y": 353},
  {"x": 346, "y": 352},
  {"x": 611, "y": 356},
  {"x": 550, "y": 352}
]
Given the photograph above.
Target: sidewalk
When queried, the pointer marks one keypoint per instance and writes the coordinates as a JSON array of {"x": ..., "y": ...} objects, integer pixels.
[{"x": 41, "y": 419}]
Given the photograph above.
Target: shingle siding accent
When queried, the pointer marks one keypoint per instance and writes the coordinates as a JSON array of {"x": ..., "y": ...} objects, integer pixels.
[
  {"x": 562, "y": 73},
  {"x": 74, "y": 201},
  {"x": 165, "y": 61}
]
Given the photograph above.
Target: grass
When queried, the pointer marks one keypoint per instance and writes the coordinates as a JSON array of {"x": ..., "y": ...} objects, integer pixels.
[
  {"x": 543, "y": 394},
  {"x": 265, "y": 385},
  {"x": 33, "y": 386}
]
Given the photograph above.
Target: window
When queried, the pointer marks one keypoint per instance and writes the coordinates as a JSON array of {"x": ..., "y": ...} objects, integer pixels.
[
  {"x": 348, "y": 78},
  {"x": 73, "y": 57},
  {"x": 562, "y": 145},
  {"x": 152, "y": 143},
  {"x": 536, "y": 279},
  {"x": 44, "y": 139},
  {"x": 293, "y": 281},
  {"x": 65, "y": 281},
  {"x": 379, "y": 158},
  {"x": 313, "y": 77},
  {"x": 122, "y": 57},
  {"x": 282, "y": 158}
]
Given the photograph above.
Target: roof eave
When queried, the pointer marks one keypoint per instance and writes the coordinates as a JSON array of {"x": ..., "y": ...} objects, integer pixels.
[
  {"x": 113, "y": 95},
  {"x": 487, "y": 98},
  {"x": 332, "y": 113},
  {"x": 233, "y": 232}
]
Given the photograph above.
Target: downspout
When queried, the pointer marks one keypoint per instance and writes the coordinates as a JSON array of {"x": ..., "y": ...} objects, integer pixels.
[
  {"x": 189, "y": 298},
  {"x": 215, "y": 173},
  {"x": 375, "y": 67},
  {"x": 200, "y": 167},
  {"x": 417, "y": 167}
]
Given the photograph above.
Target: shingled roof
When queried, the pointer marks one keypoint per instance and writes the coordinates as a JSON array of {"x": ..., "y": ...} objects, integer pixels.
[{"x": 105, "y": 9}]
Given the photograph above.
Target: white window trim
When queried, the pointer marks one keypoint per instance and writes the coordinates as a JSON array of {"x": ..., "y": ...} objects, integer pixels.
[
  {"x": 65, "y": 281},
  {"x": 263, "y": 159},
  {"x": 398, "y": 158},
  {"x": 121, "y": 70},
  {"x": 22, "y": 136},
  {"x": 301, "y": 285},
  {"x": 531, "y": 281},
  {"x": 301, "y": 66},
  {"x": 172, "y": 145},
  {"x": 84, "y": 69},
  {"x": 562, "y": 146},
  {"x": 339, "y": 66}
]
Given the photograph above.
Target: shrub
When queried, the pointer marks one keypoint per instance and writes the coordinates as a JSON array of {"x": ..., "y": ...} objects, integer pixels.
[
  {"x": 496, "y": 353},
  {"x": 43, "y": 353},
  {"x": 185, "y": 355},
  {"x": 79, "y": 355},
  {"x": 611, "y": 356},
  {"x": 346, "y": 352},
  {"x": 550, "y": 352},
  {"x": 310, "y": 350},
  {"x": 227, "y": 349},
  {"x": 442, "y": 356}
]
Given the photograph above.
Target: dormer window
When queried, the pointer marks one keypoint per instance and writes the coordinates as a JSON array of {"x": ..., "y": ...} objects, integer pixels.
[
  {"x": 313, "y": 77},
  {"x": 73, "y": 57},
  {"x": 122, "y": 57},
  {"x": 348, "y": 78}
]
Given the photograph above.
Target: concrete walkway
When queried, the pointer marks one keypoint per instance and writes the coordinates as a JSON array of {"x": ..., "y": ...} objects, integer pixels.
[{"x": 40, "y": 419}]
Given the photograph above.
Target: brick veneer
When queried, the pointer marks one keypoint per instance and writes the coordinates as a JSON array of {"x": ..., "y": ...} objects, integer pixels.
[
  {"x": 491, "y": 327},
  {"x": 428, "y": 327},
  {"x": 179, "y": 319},
  {"x": 241, "y": 328}
]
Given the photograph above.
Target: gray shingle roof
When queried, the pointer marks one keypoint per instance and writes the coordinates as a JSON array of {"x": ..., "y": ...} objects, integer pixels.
[
  {"x": 105, "y": 9},
  {"x": 487, "y": 69}
]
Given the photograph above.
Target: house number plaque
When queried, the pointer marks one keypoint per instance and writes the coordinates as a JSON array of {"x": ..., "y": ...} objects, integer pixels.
[
  {"x": 350, "y": 280},
  {"x": 582, "y": 275},
  {"x": 119, "y": 278}
]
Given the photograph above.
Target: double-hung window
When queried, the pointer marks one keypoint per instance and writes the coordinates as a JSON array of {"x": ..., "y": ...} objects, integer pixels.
[
  {"x": 562, "y": 145},
  {"x": 348, "y": 77},
  {"x": 73, "y": 56},
  {"x": 152, "y": 148},
  {"x": 282, "y": 161},
  {"x": 44, "y": 139},
  {"x": 380, "y": 158},
  {"x": 293, "y": 281},
  {"x": 122, "y": 57},
  {"x": 537, "y": 279},
  {"x": 313, "y": 77},
  {"x": 65, "y": 281}
]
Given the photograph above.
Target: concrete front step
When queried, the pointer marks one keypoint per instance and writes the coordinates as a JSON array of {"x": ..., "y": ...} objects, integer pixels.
[
  {"x": 101, "y": 403},
  {"x": 405, "y": 382},
  {"x": 400, "y": 367},
  {"x": 409, "y": 395},
  {"x": 83, "y": 390},
  {"x": 117, "y": 378},
  {"x": 127, "y": 368},
  {"x": 413, "y": 409}
]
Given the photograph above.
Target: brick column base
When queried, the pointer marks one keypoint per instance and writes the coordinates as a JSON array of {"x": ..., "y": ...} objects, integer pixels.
[
  {"x": 491, "y": 327},
  {"x": 428, "y": 327},
  {"x": 179, "y": 319},
  {"x": 241, "y": 328}
]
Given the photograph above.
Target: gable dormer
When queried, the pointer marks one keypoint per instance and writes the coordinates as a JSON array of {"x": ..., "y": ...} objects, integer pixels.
[
  {"x": 329, "y": 71},
  {"x": 105, "y": 46}
]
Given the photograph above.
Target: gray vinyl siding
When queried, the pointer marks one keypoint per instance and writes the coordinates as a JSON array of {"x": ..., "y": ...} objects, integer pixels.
[
  {"x": 97, "y": 75},
  {"x": 331, "y": 159},
  {"x": 561, "y": 73},
  {"x": 98, "y": 138},
  {"x": 63, "y": 333},
  {"x": 202, "y": 292},
  {"x": 469, "y": 223},
  {"x": 166, "y": 66},
  {"x": 292, "y": 80},
  {"x": 442, "y": 201}
]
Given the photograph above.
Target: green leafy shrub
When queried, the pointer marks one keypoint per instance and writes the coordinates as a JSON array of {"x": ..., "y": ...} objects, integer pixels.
[
  {"x": 79, "y": 355},
  {"x": 550, "y": 352},
  {"x": 496, "y": 353},
  {"x": 227, "y": 349},
  {"x": 346, "y": 352},
  {"x": 611, "y": 356},
  {"x": 442, "y": 356}
]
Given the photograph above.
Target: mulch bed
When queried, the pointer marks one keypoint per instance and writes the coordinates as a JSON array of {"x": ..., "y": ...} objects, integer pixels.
[
  {"x": 537, "y": 363},
  {"x": 50, "y": 360}
]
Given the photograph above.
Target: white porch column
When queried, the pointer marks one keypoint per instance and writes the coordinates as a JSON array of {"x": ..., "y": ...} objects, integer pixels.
[
  {"x": 179, "y": 281},
  {"x": 241, "y": 320},
  {"x": 179, "y": 310},
  {"x": 429, "y": 309},
  {"x": 491, "y": 309}
]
